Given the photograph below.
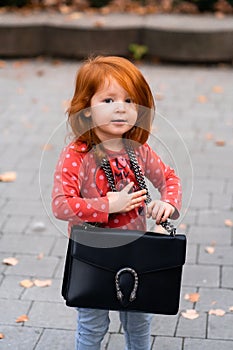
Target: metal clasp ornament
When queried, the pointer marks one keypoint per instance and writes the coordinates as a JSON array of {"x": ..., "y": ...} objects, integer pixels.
[{"x": 120, "y": 295}]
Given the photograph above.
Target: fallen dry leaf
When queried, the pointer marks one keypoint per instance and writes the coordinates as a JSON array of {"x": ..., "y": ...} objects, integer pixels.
[
  {"x": 64, "y": 9},
  {"x": 47, "y": 147},
  {"x": 2, "y": 64},
  {"x": 99, "y": 24},
  {"x": 228, "y": 223},
  {"x": 26, "y": 283},
  {"x": 218, "y": 89},
  {"x": 75, "y": 15},
  {"x": 202, "y": 99},
  {"x": 209, "y": 136},
  {"x": 193, "y": 297},
  {"x": 22, "y": 318},
  {"x": 10, "y": 261},
  {"x": 42, "y": 283},
  {"x": 2, "y": 336},
  {"x": 209, "y": 250},
  {"x": 190, "y": 314},
  {"x": 40, "y": 256},
  {"x": 217, "y": 312},
  {"x": 159, "y": 96},
  {"x": 231, "y": 308},
  {"x": 8, "y": 176},
  {"x": 220, "y": 143}
]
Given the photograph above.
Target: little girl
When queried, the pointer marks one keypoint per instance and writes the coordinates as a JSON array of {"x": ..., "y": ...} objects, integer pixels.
[{"x": 111, "y": 116}]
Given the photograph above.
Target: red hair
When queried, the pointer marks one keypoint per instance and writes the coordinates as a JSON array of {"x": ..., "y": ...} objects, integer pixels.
[{"x": 91, "y": 76}]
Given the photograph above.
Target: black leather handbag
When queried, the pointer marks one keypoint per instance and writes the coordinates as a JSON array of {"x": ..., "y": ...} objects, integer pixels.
[{"x": 124, "y": 270}]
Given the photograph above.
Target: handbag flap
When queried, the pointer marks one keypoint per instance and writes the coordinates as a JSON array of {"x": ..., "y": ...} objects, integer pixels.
[{"x": 113, "y": 249}]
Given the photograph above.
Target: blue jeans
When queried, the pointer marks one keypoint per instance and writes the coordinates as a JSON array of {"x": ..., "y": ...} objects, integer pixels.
[{"x": 93, "y": 325}]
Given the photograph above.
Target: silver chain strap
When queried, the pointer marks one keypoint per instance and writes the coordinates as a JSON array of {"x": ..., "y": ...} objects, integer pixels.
[{"x": 140, "y": 180}]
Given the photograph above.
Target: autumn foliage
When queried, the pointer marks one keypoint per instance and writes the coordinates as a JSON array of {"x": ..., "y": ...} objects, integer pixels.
[{"x": 138, "y": 6}]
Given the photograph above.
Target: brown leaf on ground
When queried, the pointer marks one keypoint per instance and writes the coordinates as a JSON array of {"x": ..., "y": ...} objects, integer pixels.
[
  {"x": 22, "y": 318},
  {"x": 228, "y": 223},
  {"x": 8, "y": 176},
  {"x": 220, "y": 143},
  {"x": 231, "y": 308},
  {"x": 190, "y": 314},
  {"x": 193, "y": 297},
  {"x": 2, "y": 336},
  {"x": 10, "y": 261},
  {"x": 159, "y": 96},
  {"x": 47, "y": 147},
  {"x": 218, "y": 89},
  {"x": 40, "y": 256},
  {"x": 202, "y": 99},
  {"x": 26, "y": 283},
  {"x": 209, "y": 136},
  {"x": 217, "y": 312},
  {"x": 2, "y": 64},
  {"x": 99, "y": 24},
  {"x": 42, "y": 283},
  {"x": 210, "y": 250}
]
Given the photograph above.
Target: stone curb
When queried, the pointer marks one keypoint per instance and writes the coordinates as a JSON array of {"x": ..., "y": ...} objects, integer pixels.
[{"x": 181, "y": 38}]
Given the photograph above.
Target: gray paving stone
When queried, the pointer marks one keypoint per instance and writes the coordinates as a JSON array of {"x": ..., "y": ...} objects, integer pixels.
[
  {"x": 227, "y": 277},
  {"x": 22, "y": 244},
  {"x": 10, "y": 287},
  {"x": 192, "y": 328},
  {"x": 217, "y": 217},
  {"x": 221, "y": 256},
  {"x": 206, "y": 344},
  {"x": 208, "y": 234},
  {"x": 209, "y": 186},
  {"x": 10, "y": 310},
  {"x": 54, "y": 339},
  {"x": 191, "y": 253},
  {"x": 20, "y": 206},
  {"x": 16, "y": 224},
  {"x": 186, "y": 304},
  {"x": 214, "y": 298},
  {"x": 201, "y": 275},
  {"x": 220, "y": 327},
  {"x": 60, "y": 247},
  {"x": 32, "y": 267},
  {"x": 221, "y": 201},
  {"x": 164, "y": 325},
  {"x": 115, "y": 324},
  {"x": 116, "y": 342},
  {"x": 200, "y": 200},
  {"x": 167, "y": 343},
  {"x": 52, "y": 315},
  {"x": 19, "y": 338},
  {"x": 60, "y": 269}
]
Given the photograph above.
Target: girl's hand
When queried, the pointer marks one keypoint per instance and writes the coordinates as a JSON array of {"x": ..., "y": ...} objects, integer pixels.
[
  {"x": 124, "y": 201},
  {"x": 159, "y": 211}
]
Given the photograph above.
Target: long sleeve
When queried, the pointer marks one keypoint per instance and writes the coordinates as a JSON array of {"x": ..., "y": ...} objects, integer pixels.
[
  {"x": 68, "y": 202},
  {"x": 162, "y": 176}
]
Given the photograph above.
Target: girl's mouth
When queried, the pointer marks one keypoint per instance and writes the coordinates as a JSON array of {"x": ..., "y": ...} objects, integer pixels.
[{"x": 121, "y": 121}]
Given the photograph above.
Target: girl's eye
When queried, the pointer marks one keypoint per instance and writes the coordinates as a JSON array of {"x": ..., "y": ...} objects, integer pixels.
[
  {"x": 108, "y": 100},
  {"x": 128, "y": 100}
]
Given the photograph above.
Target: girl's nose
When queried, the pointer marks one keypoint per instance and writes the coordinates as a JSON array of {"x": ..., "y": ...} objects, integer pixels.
[{"x": 120, "y": 107}]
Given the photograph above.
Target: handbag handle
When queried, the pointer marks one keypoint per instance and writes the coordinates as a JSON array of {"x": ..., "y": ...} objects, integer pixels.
[{"x": 140, "y": 180}]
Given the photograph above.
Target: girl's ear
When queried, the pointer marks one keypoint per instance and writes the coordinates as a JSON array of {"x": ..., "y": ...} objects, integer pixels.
[{"x": 87, "y": 112}]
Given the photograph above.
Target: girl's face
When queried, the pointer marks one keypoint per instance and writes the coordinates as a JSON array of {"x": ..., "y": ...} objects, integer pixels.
[{"x": 113, "y": 112}]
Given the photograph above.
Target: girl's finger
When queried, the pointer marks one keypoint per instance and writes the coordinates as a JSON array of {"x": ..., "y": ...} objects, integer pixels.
[{"x": 128, "y": 187}]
